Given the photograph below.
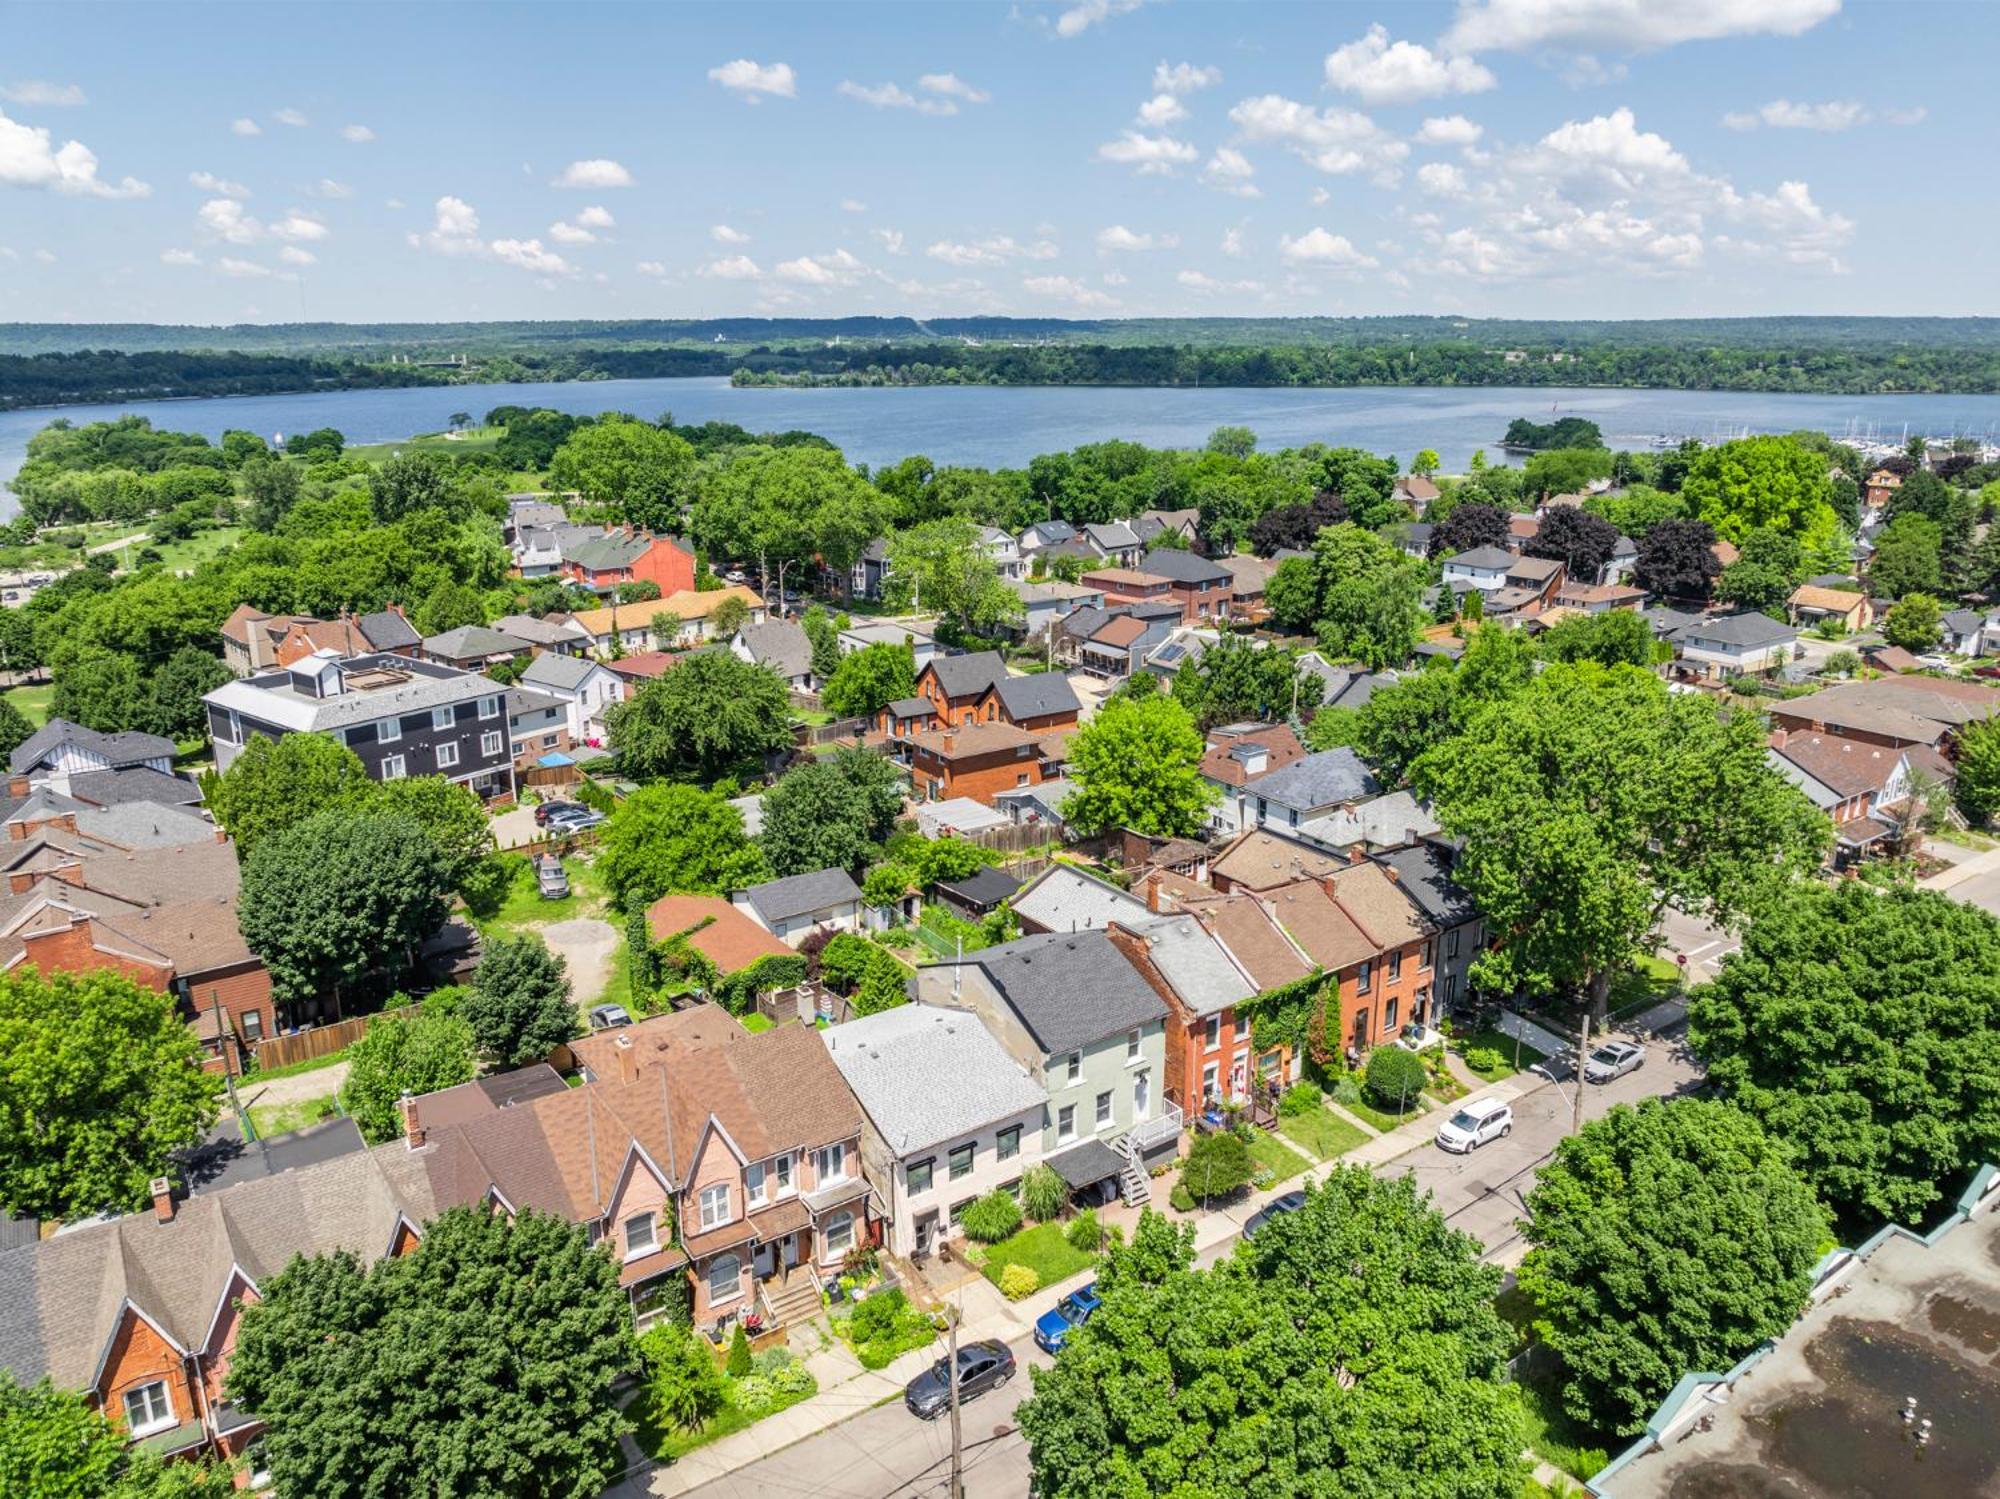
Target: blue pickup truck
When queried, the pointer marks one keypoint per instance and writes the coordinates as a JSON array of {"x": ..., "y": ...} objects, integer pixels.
[{"x": 1053, "y": 1328}]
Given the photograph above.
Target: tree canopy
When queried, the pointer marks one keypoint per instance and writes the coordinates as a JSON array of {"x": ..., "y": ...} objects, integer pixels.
[
  {"x": 519, "y": 1005},
  {"x": 103, "y": 1085},
  {"x": 640, "y": 471},
  {"x": 1139, "y": 761},
  {"x": 275, "y": 784},
  {"x": 1862, "y": 1026},
  {"x": 667, "y": 839},
  {"x": 831, "y": 813},
  {"x": 399, "y": 1054},
  {"x": 1368, "y": 596},
  {"x": 1666, "y": 1238},
  {"x": 1237, "y": 679},
  {"x": 866, "y": 681},
  {"x": 1754, "y": 482},
  {"x": 940, "y": 567},
  {"x": 1677, "y": 559},
  {"x": 483, "y": 1362},
  {"x": 55, "y": 1445},
  {"x": 714, "y": 714}
]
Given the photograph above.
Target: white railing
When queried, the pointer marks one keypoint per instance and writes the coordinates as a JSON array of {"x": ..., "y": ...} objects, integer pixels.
[{"x": 1161, "y": 1128}]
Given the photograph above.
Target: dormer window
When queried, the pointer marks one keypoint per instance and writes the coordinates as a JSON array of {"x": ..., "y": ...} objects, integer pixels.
[
  {"x": 714, "y": 1206},
  {"x": 641, "y": 1235},
  {"x": 148, "y": 1408}
]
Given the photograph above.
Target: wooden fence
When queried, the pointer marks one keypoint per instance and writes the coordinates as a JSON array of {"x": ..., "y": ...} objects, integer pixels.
[
  {"x": 840, "y": 731},
  {"x": 320, "y": 1041}
]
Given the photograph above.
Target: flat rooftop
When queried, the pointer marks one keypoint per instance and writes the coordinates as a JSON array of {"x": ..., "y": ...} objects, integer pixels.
[{"x": 1821, "y": 1416}]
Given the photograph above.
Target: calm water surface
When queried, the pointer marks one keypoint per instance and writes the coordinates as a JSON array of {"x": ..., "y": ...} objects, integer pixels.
[{"x": 991, "y": 426}]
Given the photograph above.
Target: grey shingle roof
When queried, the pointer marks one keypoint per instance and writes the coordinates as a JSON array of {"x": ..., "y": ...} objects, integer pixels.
[
  {"x": 1183, "y": 566},
  {"x": 1069, "y": 988},
  {"x": 120, "y": 749},
  {"x": 1049, "y": 532},
  {"x": 962, "y": 676},
  {"x": 983, "y": 887},
  {"x": 386, "y": 630},
  {"x": 1321, "y": 780},
  {"x": 1201, "y": 972},
  {"x": 273, "y": 699},
  {"x": 781, "y": 644},
  {"x": 558, "y": 672},
  {"x": 535, "y": 631},
  {"x": 1423, "y": 871},
  {"x": 139, "y": 783},
  {"x": 1064, "y": 899},
  {"x": 802, "y": 894},
  {"x": 1750, "y": 628},
  {"x": 1486, "y": 559},
  {"x": 1037, "y": 695},
  {"x": 473, "y": 640},
  {"x": 894, "y": 1061}
]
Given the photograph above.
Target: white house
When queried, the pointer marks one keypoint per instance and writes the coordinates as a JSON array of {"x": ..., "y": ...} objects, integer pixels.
[
  {"x": 923, "y": 645},
  {"x": 791, "y": 908},
  {"x": 1005, "y": 552},
  {"x": 1485, "y": 568},
  {"x": 586, "y": 687},
  {"x": 1734, "y": 645}
]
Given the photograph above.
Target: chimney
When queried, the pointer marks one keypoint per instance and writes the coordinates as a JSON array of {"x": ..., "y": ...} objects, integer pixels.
[
  {"x": 1395, "y": 876},
  {"x": 950, "y": 739},
  {"x": 17, "y": 785},
  {"x": 163, "y": 1199},
  {"x": 413, "y": 1129},
  {"x": 1778, "y": 738},
  {"x": 628, "y": 1060},
  {"x": 1357, "y": 854}
]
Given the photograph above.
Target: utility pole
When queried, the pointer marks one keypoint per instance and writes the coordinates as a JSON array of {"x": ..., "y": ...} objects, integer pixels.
[
  {"x": 1582, "y": 1057},
  {"x": 957, "y": 1490}
]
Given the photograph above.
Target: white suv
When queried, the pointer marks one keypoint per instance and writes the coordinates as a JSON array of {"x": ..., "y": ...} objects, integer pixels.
[{"x": 1475, "y": 1124}]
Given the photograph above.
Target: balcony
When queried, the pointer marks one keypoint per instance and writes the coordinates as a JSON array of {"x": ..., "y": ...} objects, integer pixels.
[{"x": 1162, "y": 1129}]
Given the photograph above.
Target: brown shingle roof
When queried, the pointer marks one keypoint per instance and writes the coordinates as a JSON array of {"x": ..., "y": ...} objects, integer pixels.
[
  {"x": 730, "y": 940},
  {"x": 971, "y": 739},
  {"x": 1847, "y": 767},
  {"x": 1125, "y": 577},
  {"x": 1119, "y": 632},
  {"x": 1220, "y": 764},
  {"x": 1260, "y": 860},
  {"x": 1312, "y": 920},
  {"x": 1373, "y": 902},
  {"x": 1838, "y": 600}
]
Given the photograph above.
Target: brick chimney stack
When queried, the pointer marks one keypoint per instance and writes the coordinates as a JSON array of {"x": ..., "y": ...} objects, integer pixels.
[
  {"x": 413, "y": 1129},
  {"x": 163, "y": 1199},
  {"x": 628, "y": 1060}
]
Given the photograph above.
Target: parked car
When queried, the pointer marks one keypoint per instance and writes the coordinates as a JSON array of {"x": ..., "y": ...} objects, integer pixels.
[
  {"x": 1559, "y": 1068},
  {"x": 1613, "y": 1060},
  {"x": 573, "y": 820},
  {"x": 609, "y": 1017},
  {"x": 1474, "y": 1125},
  {"x": 981, "y": 1367},
  {"x": 1290, "y": 1202},
  {"x": 1053, "y": 1328},
  {"x": 544, "y": 811}
]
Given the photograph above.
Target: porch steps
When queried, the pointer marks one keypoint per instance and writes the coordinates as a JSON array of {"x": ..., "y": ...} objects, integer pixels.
[
  {"x": 1134, "y": 1184},
  {"x": 795, "y": 1301}
]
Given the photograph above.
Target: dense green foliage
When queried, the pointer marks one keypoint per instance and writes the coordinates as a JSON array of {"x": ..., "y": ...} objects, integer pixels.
[
  {"x": 667, "y": 839},
  {"x": 992, "y": 1218},
  {"x": 1139, "y": 760},
  {"x": 53, "y": 1445},
  {"x": 868, "y": 680},
  {"x": 415, "y": 1054},
  {"x": 830, "y": 814},
  {"x": 1668, "y": 1238},
  {"x": 713, "y": 715},
  {"x": 481, "y": 1363},
  {"x": 1395, "y": 1076},
  {"x": 1862, "y": 1027},
  {"x": 1216, "y": 1164},
  {"x": 103, "y": 1086},
  {"x": 519, "y": 1004}
]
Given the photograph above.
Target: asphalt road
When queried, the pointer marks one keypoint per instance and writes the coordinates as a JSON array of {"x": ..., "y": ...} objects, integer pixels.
[{"x": 887, "y": 1453}]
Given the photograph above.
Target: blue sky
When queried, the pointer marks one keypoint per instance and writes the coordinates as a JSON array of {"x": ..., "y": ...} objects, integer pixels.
[{"x": 1602, "y": 158}]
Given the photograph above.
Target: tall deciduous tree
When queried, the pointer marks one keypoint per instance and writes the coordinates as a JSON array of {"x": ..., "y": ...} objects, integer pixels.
[
  {"x": 1976, "y": 787},
  {"x": 103, "y": 1085},
  {"x": 1667, "y": 1238},
  {"x": 276, "y": 784},
  {"x": 645, "y": 474},
  {"x": 1236, "y": 679},
  {"x": 1469, "y": 526},
  {"x": 941, "y": 568},
  {"x": 868, "y": 680},
  {"x": 1742, "y": 486},
  {"x": 414, "y": 1054},
  {"x": 15, "y": 730},
  {"x": 1677, "y": 559},
  {"x": 54, "y": 1445},
  {"x": 176, "y": 709},
  {"x": 447, "y": 811},
  {"x": 1139, "y": 760},
  {"x": 1350, "y": 1347},
  {"x": 1580, "y": 541},
  {"x": 341, "y": 895},
  {"x": 830, "y": 814},
  {"x": 1862, "y": 1026},
  {"x": 713, "y": 715},
  {"x": 1593, "y": 799},
  {"x": 664, "y": 839},
  {"x": 1914, "y": 622},
  {"x": 1370, "y": 596},
  {"x": 519, "y": 1006},
  {"x": 484, "y": 1362}
]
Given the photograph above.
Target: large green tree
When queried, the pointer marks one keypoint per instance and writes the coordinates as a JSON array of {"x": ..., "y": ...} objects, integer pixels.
[
  {"x": 1742, "y": 486},
  {"x": 275, "y": 784},
  {"x": 832, "y": 813},
  {"x": 712, "y": 715},
  {"x": 100, "y": 1086},
  {"x": 176, "y": 709},
  {"x": 1976, "y": 787},
  {"x": 1593, "y": 799},
  {"x": 341, "y": 895},
  {"x": 55, "y": 1445},
  {"x": 1369, "y": 596},
  {"x": 1666, "y": 1238},
  {"x": 868, "y": 680},
  {"x": 1862, "y": 1026},
  {"x": 941, "y": 568},
  {"x": 1914, "y": 622},
  {"x": 640, "y": 471},
  {"x": 449, "y": 814},
  {"x": 1348, "y": 1349},
  {"x": 415, "y": 1054},
  {"x": 519, "y": 1005},
  {"x": 1139, "y": 760},
  {"x": 667, "y": 839},
  {"x": 1236, "y": 679},
  {"x": 787, "y": 505},
  {"x": 484, "y": 1362}
]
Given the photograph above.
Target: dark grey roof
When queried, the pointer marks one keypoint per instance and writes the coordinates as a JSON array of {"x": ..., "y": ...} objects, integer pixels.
[
  {"x": 961, "y": 676},
  {"x": 1086, "y": 1163},
  {"x": 1049, "y": 532},
  {"x": 1085, "y": 622},
  {"x": 225, "y": 1158},
  {"x": 468, "y": 641},
  {"x": 387, "y": 630},
  {"x": 1748, "y": 628},
  {"x": 1487, "y": 559},
  {"x": 1037, "y": 695},
  {"x": 1423, "y": 873},
  {"x": 139, "y": 783},
  {"x": 1415, "y": 533},
  {"x": 120, "y": 749},
  {"x": 1111, "y": 536},
  {"x": 1963, "y": 621},
  {"x": 1069, "y": 988},
  {"x": 1321, "y": 780},
  {"x": 802, "y": 894},
  {"x": 910, "y": 707},
  {"x": 1183, "y": 566},
  {"x": 983, "y": 887},
  {"x": 1667, "y": 623},
  {"x": 19, "y": 1233},
  {"x": 781, "y": 644},
  {"x": 1624, "y": 546}
]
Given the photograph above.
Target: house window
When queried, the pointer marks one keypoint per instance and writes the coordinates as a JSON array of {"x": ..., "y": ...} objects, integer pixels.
[
  {"x": 1104, "y": 1109},
  {"x": 1451, "y": 943},
  {"x": 838, "y": 1235},
  {"x": 830, "y": 1164},
  {"x": 148, "y": 1408},
  {"x": 233, "y": 730},
  {"x": 753, "y": 1185},
  {"x": 1424, "y": 957},
  {"x": 961, "y": 1162},
  {"x": 1007, "y": 1144},
  {"x": 725, "y": 1279},
  {"x": 919, "y": 1175},
  {"x": 389, "y": 730},
  {"x": 1066, "y": 1123},
  {"x": 489, "y": 707},
  {"x": 447, "y": 755},
  {"x": 1389, "y": 1016},
  {"x": 1395, "y": 965},
  {"x": 1209, "y": 1074},
  {"x": 489, "y": 744},
  {"x": 1021, "y": 779},
  {"x": 1450, "y": 988},
  {"x": 958, "y": 1210},
  {"x": 715, "y": 1205},
  {"x": 253, "y": 1025},
  {"x": 548, "y": 741},
  {"x": 444, "y": 718},
  {"x": 1131, "y": 1046},
  {"x": 392, "y": 768},
  {"x": 639, "y": 1236},
  {"x": 781, "y": 1168},
  {"x": 1367, "y": 975},
  {"x": 1074, "y": 1066},
  {"x": 1214, "y": 1036}
]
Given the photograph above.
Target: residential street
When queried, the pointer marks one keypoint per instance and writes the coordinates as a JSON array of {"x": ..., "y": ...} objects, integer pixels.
[{"x": 886, "y": 1453}]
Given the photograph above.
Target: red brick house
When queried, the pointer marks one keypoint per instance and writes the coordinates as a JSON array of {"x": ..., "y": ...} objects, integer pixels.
[
  {"x": 1126, "y": 585},
  {"x": 623, "y": 555},
  {"x": 977, "y": 760},
  {"x": 1357, "y": 926},
  {"x": 978, "y": 688}
]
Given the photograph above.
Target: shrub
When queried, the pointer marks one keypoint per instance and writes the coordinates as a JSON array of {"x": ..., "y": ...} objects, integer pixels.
[
  {"x": 1085, "y": 1233},
  {"x": 1301, "y": 1098},
  {"x": 1394, "y": 1076},
  {"x": 992, "y": 1218},
  {"x": 1484, "y": 1059},
  {"x": 1217, "y": 1165},
  {"x": 771, "y": 1360},
  {"x": 1347, "y": 1091},
  {"x": 878, "y": 1316},
  {"x": 1043, "y": 1193},
  {"x": 739, "y": 1353},
  {"x": 683, "y": 1386},
  {"x": 752, "y": 1393},
  {"x": 1017, "y": 1281},
  {"x": 793, "y": 1379},
  {"x": 1180, "y": 1198}
]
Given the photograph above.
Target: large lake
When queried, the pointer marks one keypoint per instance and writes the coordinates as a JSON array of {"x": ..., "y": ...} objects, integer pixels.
[{"x": 993, "y": 426}]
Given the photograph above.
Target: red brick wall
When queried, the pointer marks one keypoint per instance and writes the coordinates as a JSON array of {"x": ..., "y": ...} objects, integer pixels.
[
  {"x": 980, "y": 777},
  {"x": 71, "y": 950},
  {"x": 1381, "y": 989},
  {"x": 138, "y": 1356},
  {"x": 243, "y": 990},
  {"x": 1178, "y": 1023},
  {"x": 670, "y": 566}
]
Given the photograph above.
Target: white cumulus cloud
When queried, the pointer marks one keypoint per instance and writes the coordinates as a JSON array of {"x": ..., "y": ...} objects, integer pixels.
[
  {"x": 893, "y": 96},
  {"x": 722, "y": 234},
  {"x": 293, "y": 255},
  {"x": 951, "y": 86},
  {"x": 995, "y": 250},
  {"x": 1441, "y": 179},
  {"x": 1118, "y": 240},
  {"x": 226, "y": 220},
  {"x": 1834, "y": 115},
  {"x": 651, "y": 268},
  {"x": 361, "y": 135},
  {"x": 296, "y": 226},
  {"x": 179, "y": 257},
  {"x": 244, "y": 270},
  {"x": 1336, "y": 141},
  {"x": 596, "y": 217},
  {"x": 1232, "y": 243},
  {"x": 29, "y": 157},
  {"x": 326, "y": 187},
  {"x": 294, "y": 117},
  {"x": 529, "y": 255},
  {"x": 1081, "y": 17},
  {"x": 598, "y": 171},
  {"x": 751, "y": 81},
  {"x": 1153, "y": 155},
  {"x": 731, "y": 268},
  {"x": 39, "y": 93},
  {"x": 1067, "y": 289},
  {"x": 1320, "y": 248},
  {"x": 1183, "y": 77},
  {"x": 208, "y": 182},
  {"x": 1625, "y": 25},
  {"x": 1161, "y": 109},
  {"x": 1449, "y": 130},
  {"x": 891, "y": 239},
  {"x": 245, "y": 126},
  {"x": 1230, "y": 171},
  {"x": 1380, "y": 71}
]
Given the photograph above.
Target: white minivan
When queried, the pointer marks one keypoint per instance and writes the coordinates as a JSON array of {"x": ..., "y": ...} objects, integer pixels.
[{"x": 1475, "y": 1124}]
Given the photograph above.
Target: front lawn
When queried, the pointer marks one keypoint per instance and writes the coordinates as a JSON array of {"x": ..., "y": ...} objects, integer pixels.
[
  {"x": 1275, "y": 1156},
  {"x": 1515, "y": 1056},
  {"x": 282, "y": 1118},
  {"x": 502, "y": 898},
  {"x": 768, "y": 1397},
  {"x": 1646, "y": 983},
  {"x": 33, "y": 701},
  {"x": 1321, "y": 1133},
  {"x": 883, "y": 1327},
  {"x": 1386, "y": 1119},
  {"x": 1043, "y": 1249},
  {"x": 1552, "y": 1434}
]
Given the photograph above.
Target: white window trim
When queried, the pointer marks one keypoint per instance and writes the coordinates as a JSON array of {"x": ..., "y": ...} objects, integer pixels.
[
  {"x": 445, "y": 717},
  {"x": 492, "y": 742},
  {"x": 1104, "y": 1110},
  {"x": 846, "y": 1221},
  {"x": 755, "y": 1191},
  {"x": 787, "y": 1175},
  {"x": 447, "y": 754},
  {"x": 823, "y": 1177},
  {"x": 1074, "y": 1066},
  {"x": 640, "y": 1251},
  {"x": 1212, "y": 1040},
  {"x": 489, "y": 707},
  {"x": 1133, "y": 1042},
  {"x": 704, "y": 1201},
  {"x": 158, "y": 1423},
  {"x": 1065, "y": 1132},
  {"x": 388, "y": 730},
  {"x": 393, "y": 768}
]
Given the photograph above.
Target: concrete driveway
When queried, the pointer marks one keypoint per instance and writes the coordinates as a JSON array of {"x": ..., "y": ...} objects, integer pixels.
[
  {"x": 586, "y": 945},
  {"x": 515, "y": 827}
]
